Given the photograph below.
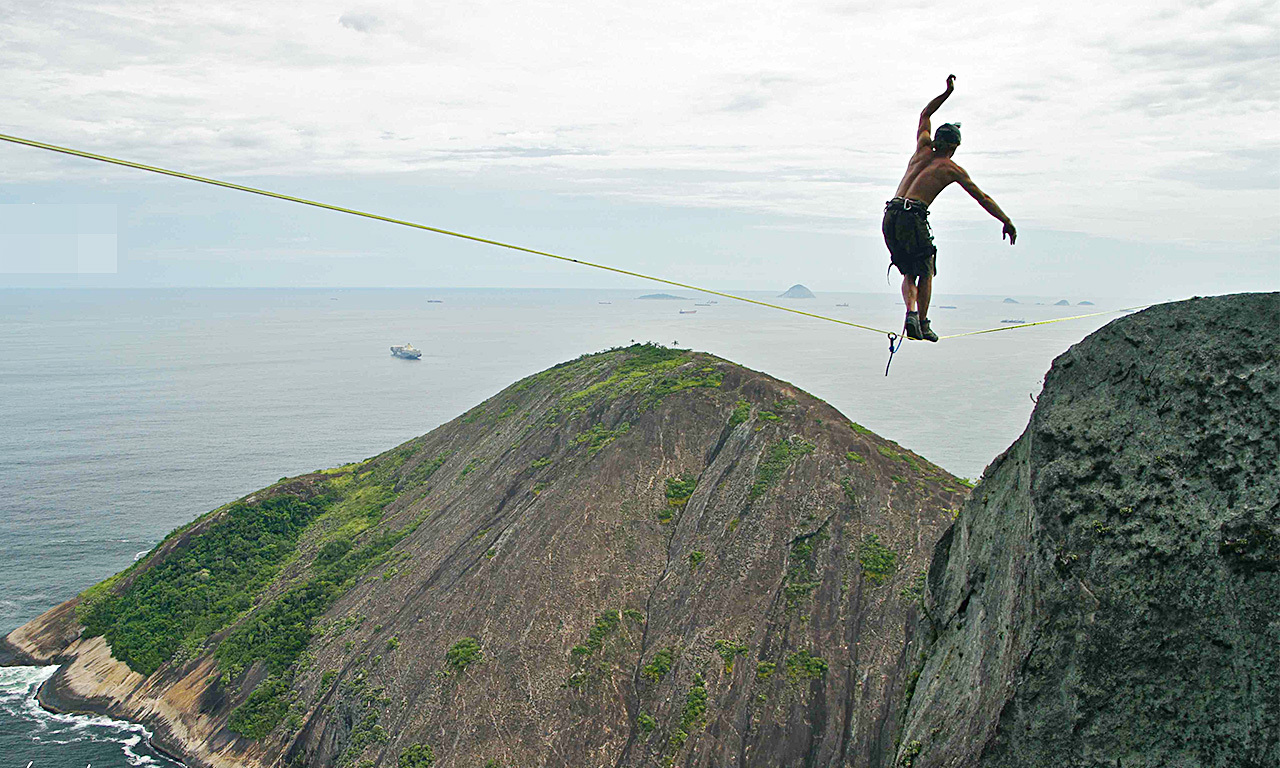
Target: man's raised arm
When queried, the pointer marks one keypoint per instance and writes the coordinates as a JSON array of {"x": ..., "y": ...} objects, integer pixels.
[{"x": 924, "y": 133}]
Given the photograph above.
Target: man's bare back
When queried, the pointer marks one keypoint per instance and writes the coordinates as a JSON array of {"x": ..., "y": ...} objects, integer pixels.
[{"x": 906, "y": 230}]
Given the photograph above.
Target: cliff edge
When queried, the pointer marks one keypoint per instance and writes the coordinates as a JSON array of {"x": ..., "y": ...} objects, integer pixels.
[{"x": 1108, "y": 595}]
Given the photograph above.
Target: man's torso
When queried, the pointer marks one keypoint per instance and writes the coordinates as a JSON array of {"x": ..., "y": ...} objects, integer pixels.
[{"x": 927, "y": 176}]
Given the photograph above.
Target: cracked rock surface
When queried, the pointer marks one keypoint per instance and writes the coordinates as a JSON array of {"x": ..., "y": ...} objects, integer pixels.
[{"x": 1110, "y": 594}]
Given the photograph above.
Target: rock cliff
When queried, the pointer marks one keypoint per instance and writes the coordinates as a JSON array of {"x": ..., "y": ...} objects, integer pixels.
[
  {"x": 1110, "y": 593},
  {"x": 641, "y": 557}
]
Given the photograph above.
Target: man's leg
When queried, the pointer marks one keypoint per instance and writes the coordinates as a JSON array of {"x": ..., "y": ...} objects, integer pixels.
[
  {"x": 924, "y": 290},
  {"x": 912, "y": 324}
]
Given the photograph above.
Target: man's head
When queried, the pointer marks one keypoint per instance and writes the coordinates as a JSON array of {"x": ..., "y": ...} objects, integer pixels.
[{"x": 947, "y": 137}]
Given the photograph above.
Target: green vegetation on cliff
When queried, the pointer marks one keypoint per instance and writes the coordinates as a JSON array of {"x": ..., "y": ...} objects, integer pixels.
[{"x": 200, "y": 587}]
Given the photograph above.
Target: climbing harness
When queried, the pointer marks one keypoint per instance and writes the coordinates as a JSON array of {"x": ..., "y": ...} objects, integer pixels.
[{"x": 899, "y": 338}]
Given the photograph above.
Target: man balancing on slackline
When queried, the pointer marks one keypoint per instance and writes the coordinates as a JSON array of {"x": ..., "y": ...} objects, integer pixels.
[{"x": 906, "y": 223}]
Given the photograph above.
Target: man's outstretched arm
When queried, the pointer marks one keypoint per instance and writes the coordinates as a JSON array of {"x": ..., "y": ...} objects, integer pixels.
[
  {"x": 988, "y": 204},
  {"x": 924, "y": 132}
]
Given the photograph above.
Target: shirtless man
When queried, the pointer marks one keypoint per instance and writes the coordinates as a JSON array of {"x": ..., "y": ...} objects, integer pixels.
[{"x": 906, "y": 224}]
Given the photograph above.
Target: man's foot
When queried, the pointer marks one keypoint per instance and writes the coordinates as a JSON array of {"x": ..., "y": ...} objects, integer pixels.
[
  {"x": 913, "y": 326},
  {"x": 926, "y": 332}
]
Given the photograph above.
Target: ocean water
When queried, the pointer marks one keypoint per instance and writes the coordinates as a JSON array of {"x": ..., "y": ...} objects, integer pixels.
[{"x": 124, "y": 414}]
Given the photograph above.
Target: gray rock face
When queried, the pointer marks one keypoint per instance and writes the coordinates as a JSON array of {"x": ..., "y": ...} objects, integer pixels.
[{"x": 1110, "y": 594}]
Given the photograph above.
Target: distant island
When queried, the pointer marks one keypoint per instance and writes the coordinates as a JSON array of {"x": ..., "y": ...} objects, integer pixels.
[
  {"x": 662, "y": 297},
  {"x": 797, "y": 291},
  {"x": 1062, "y": 303},
  {"x": 1084, "y": 303},
  {"x": 1010, "y": 301}
]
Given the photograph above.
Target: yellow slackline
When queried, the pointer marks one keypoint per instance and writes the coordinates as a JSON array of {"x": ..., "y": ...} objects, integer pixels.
[
  {"x": 1042, "y": 322},
  {"x": 486, "y": 241}
]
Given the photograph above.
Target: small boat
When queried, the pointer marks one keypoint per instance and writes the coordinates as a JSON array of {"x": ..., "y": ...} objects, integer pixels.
[
  {"x": 945, "y": 306},
  {"x": 406, "y": 351},
  {"x": 604, "y": 302},
  {"x": 435, "y": 301},
  {"x": 843, "y": 305},
  {"x": 1013, "y": 322},
  {"x": 702, "y": 305},
  {"x": 688, "y": 311}
]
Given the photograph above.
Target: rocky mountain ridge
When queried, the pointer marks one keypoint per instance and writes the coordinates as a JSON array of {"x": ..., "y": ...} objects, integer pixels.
[{"x": 646, "y": 556}]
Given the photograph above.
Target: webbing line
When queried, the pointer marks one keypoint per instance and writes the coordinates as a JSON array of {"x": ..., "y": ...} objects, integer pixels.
[
  {"x": 415, "y": 225},
  {"x": 498, "y": 243},
  {"x": 1042, "y": 322}
]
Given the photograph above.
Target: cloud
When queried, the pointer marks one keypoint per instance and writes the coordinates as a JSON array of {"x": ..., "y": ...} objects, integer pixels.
[
  {"x": 360, "y": 22},
  {"x": 1076, "y": 117},
  {"x": 1238, "y": 169}
]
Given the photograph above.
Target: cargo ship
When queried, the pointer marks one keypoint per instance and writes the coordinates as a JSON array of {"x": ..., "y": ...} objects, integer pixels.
[{"x": 407, "y": 351}]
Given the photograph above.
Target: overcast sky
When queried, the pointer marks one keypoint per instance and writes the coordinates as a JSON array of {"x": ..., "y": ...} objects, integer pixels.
[{"x": 742, "y": 144}]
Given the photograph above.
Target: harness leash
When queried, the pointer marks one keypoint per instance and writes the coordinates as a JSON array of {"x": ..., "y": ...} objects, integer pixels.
[{"x": 892, "y": 336}]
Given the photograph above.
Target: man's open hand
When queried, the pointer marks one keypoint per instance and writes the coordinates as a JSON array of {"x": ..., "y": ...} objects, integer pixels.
[
  {"x": 1009, "y": 231},
  {"x": 951, "y": 82}
]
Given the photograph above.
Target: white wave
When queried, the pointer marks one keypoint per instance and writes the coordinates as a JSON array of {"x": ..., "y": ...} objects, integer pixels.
[{"x": 18, "y": 686}]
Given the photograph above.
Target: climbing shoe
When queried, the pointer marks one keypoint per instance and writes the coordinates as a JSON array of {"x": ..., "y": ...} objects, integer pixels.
[
  {"x": 913, "y": 326},
  {"x": 926, "y": 332}
]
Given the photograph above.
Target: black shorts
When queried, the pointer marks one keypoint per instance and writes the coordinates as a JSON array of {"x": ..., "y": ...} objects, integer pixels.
[{"x": 906, "y": 232}]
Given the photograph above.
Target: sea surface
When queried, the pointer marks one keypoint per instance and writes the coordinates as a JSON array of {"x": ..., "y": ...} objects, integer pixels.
[{"x": 127, "y": 413}]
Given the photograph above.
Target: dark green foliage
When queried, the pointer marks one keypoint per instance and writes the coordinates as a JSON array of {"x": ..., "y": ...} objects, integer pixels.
[
  {"x": 539, "y": 488},
  {"x": 606, "y": 624},
  {"x": 850, "y": 492},
  {"x": 417, "y": 756},
  {"x": 202, "y": 586},
  {"x": 470, "y": 467},
  {"x": 695, "y": 706},
  {"x": 898, "y": 478},
  {"x": 780, "y": 456},
  {"x": 332, "y": 551},
  {"x": 646, "y": 355},
  {"x": 741, "y": 412},
  {"x": 878, "y": 561},
  {"x": 463, "y": 654},
  {"x": 421, "y": 473},
  {"x": 393, "y": 643},
  {"x": 695, "y": 559},
  {"x": 679, "y": 489},
  {"x": 280, "y": 631},
  {"x": 259, "y": 715},
  {"x": 661, "y": 664},
  {"x": 802, "y": 569},
  {"x": 966, "y": 482},
  {"x": 764, "y": 670},
  {"x": 914, "y": 590},
  {"x": 769, "y": 416},
  {"x": 646, "y": 723},
  {"x": 365, "y": 734},
  {"x": 327, "y": 678},
  {"x": 598, "y": 437},
  {"x": 634, "y": 615},
  {"x": 803, "y": 666},
  {"x": 889, "y": 453},
  {"x": 855, "y": 458},
  {"x": 667, "y": 514},
  {"x": 858, "y": 428},
  {"x": 545, "y": 461},
  {"x": 728, "y": 651}
]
